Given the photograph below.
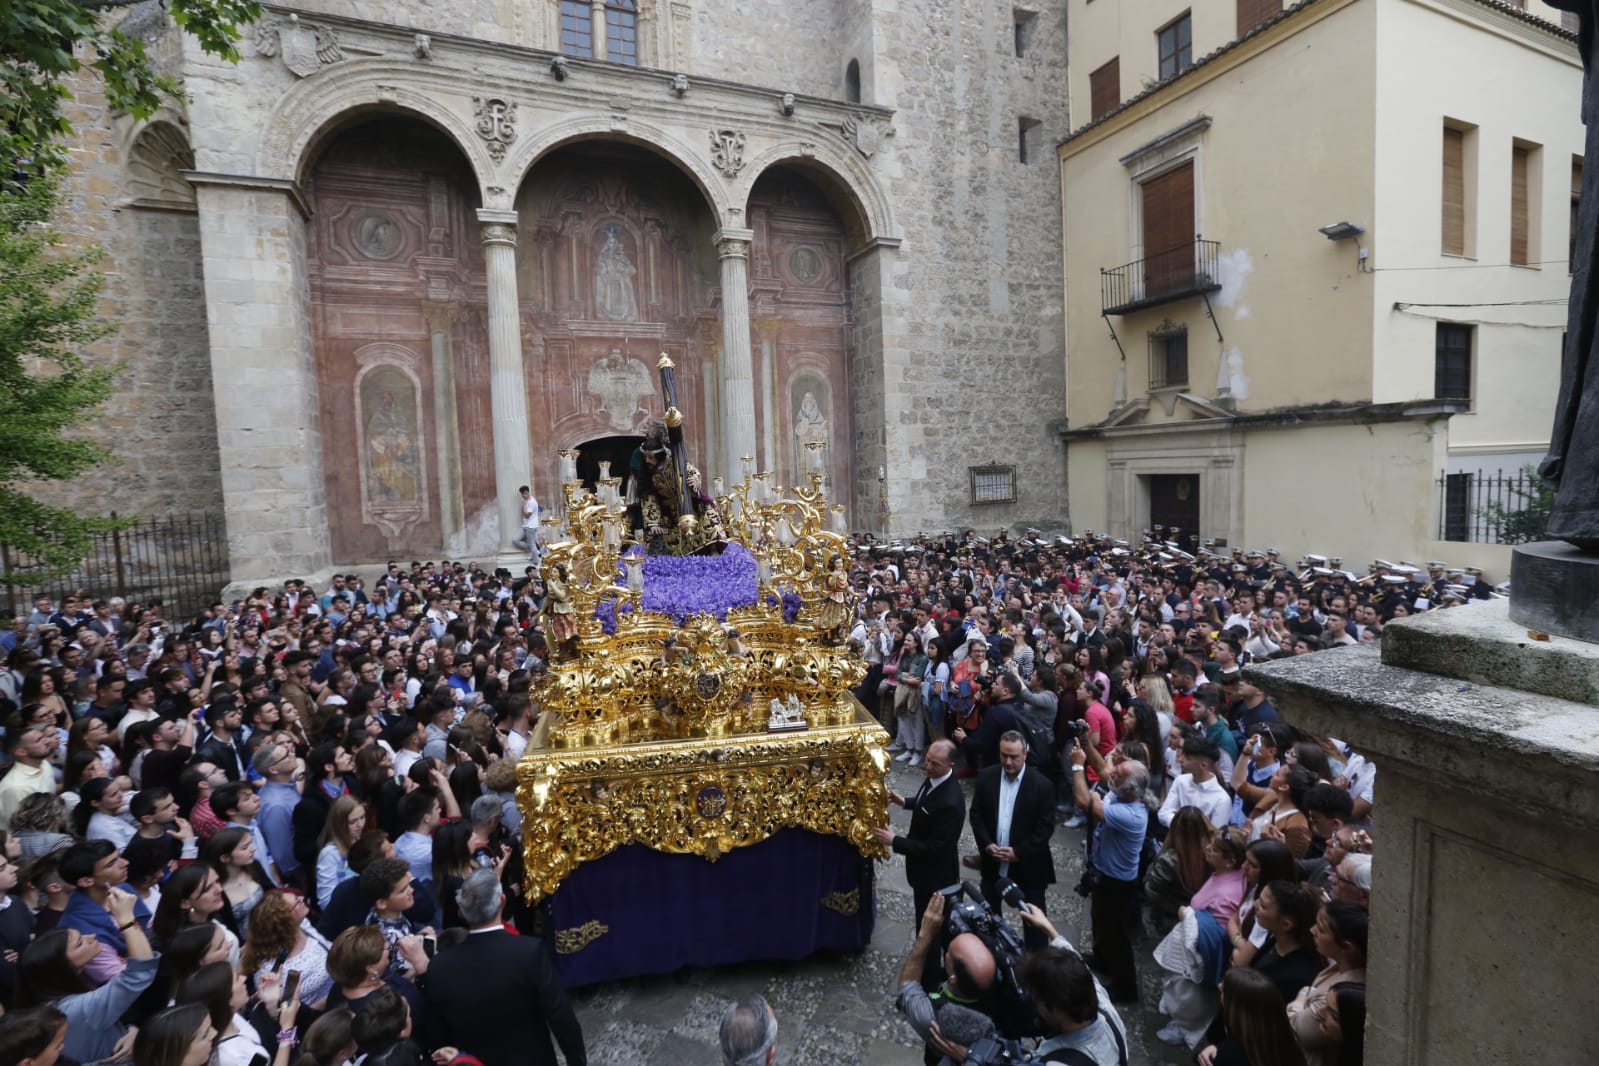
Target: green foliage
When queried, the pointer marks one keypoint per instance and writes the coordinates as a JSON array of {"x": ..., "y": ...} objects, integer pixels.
[
  {"x": 48, "y": 301},
  {"x": 41, "y": 42},
  {"x": 1525, "y": 523}
]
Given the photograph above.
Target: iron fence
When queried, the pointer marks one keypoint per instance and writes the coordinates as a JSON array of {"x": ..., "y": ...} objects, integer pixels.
[
  {"x": 1493, "y": 507},
  {"x": 181, "y": 558}
]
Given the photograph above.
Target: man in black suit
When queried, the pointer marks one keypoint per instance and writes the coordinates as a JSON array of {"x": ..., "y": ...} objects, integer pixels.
[
  {"x": 932, "y": 845},
  {"x": 1013, "y": 817},
  {"x": 497, "y": 996}
]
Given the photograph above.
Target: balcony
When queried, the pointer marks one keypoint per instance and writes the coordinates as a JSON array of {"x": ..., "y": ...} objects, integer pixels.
[{"x": 1190, "y": 269}]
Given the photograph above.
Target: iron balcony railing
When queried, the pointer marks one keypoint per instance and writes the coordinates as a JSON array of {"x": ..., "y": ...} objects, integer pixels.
[
  {"x": 1494, "y": 506},
  {"x": 1189, "y": 269}
]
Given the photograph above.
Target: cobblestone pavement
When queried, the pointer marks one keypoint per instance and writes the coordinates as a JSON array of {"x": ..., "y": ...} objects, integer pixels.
[{"x": 831, "y": 1009}]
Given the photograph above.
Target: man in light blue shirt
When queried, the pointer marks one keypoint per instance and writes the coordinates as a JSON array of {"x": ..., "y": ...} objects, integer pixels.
[
  {"x": 419, "y": 815},
  {"x": 278, "y": 766},
  {"x": 1122, "y": 822}
]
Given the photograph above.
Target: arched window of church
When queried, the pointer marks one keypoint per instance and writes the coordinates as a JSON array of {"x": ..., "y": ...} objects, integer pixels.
[
  {"x": 621, "y": 31},
  {"x": 852, "y": 82},
  {"x": 577, "y": 31}
]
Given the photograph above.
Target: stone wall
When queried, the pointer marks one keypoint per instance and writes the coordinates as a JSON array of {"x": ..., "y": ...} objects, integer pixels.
[{"x": 124, "y": 193}]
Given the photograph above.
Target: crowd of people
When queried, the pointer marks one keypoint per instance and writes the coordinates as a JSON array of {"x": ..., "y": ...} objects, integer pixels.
[
  {"x": 265, "y": 831},
  {"x": 1105, "y": 682},
  {"x": 283, "y": 831}
]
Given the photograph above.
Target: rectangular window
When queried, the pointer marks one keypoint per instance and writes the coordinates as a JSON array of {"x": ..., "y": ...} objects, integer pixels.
[
  {"x": 993, "y": 484},
  {"x": 1022, "y": 22},
  {"x": 1026, "y": 138},
  {"x": 1105, "y": 89},
  {"x": 621, "y": 32},
  {"x": 1174, "y": 46},
  {"x": 1452, "y": 362},
  {"x": 1459, "y": 189},
  {"x": 1252, "y": 13},
  {"x": 577, "y": 29},
  {"x": 1520, "y": 216},
  {"x": 1168, "y": 356},
  {"x": 1457, "y": 507},
  {"x": 1576, "y": 202}
]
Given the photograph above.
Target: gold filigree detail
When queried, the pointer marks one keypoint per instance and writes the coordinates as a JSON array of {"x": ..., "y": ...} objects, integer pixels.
[
  {"x": 846, "y": 903},
  {"x": 572, "y": 941}
]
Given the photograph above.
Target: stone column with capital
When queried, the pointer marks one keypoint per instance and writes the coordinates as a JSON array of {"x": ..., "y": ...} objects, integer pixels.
[
  {"x": 738, "y": 370},
  {"x": 507, "y": 382}
]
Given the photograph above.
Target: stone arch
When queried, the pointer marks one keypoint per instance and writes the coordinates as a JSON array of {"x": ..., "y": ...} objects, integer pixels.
[
  {"x": 317, "y": 108},
  {"x": 651, "y": 138},
  {"x": 156, "y": 160},
  {"x": 843, "y": 176}
]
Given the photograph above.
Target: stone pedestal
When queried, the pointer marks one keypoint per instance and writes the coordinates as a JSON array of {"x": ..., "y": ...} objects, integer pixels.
[
  {"x": 1555, "y": 589},
  {"x": 1485, "y": 894}
]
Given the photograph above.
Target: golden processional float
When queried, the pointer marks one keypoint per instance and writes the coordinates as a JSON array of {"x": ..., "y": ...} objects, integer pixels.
[{"x": 696, "y": 704}]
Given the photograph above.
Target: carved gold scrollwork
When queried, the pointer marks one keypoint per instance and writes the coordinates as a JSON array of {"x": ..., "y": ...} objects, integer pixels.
[
  {"x": 846, "y": 903},
  {"x": 572, "y": 941}
]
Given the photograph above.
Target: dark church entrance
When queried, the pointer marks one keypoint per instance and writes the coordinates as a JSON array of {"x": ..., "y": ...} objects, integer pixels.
[
  {"x": 1174, "y": 502},
  {"x": 617, "y": 450}
]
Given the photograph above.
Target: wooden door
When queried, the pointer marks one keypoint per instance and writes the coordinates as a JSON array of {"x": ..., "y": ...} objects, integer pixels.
[{"x": 1174, "y": 501}]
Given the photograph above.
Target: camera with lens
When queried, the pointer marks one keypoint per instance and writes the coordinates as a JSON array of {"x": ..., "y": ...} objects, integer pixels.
[
  {"x": 966, "y": 911},
  {"x": 1075, "y": 729},
  {"x": 994, "y": 1050}
]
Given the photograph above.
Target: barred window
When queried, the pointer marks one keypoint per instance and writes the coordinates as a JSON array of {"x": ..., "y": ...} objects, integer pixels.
[
  {"x": 993, "y": 484},
  {"x": 621, "y": 31},
  {"x": 577, "y": 30}
]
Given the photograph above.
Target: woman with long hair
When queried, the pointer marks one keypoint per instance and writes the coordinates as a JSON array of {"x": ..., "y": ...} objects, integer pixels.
[
  {"x": 282, "y": 939},
  {"x": 1344, "y": 1020},
  {"x": 1258, "y": 1033},
  {"x": 1277, "y": 810},
  {"x": 178, "y": 1036},
  {"x": 1340, "y": 935},
  {"x": 1180, "y": 869},
  {"x": 193, "y": 896},
  {"x": 225, "y": 996},
  {"x": 1265, "y": 861},
  {"x": 231, "y": 852},
  {"x": 452, "y": 865},
  {"x": 1287, "y": 912},
  {"x": 50, "y": 971},
  {"x": 40, "y": 687},
  {"x": 99, "y": 816},
  {"x": 909, "y": 712},
  {"x": 92, "y": 734},
  {"x": 347, "y": 820}
]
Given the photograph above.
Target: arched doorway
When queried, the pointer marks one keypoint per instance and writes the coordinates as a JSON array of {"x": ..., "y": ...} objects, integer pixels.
[
  {"x": 615, "y": 267},
  {"x": 616, "y": 450},
  {"x": 398, "y": 321}
]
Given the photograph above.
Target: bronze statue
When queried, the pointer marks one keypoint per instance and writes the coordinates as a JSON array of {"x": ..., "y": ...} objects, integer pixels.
[{"x": 1572, "y": 466}]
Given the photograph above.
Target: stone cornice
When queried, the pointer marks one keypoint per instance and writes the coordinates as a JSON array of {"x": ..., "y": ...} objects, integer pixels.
[{"x": 288, "y": 188}]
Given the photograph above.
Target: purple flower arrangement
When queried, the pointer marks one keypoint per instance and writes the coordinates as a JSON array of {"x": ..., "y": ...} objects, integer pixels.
[
  {"x": 683, "y": 586},
  {"x": 791, "y": 604}
]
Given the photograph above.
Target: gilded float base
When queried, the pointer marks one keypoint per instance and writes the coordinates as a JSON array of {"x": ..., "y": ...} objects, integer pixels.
[{"x": 703, "y": 796}]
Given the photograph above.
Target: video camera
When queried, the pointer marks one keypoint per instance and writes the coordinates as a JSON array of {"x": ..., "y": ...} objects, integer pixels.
[
  {"x": 994, "y": 1051},
  {"x": 966, "y": 911},
  {"x": 1074, "y": 729}
]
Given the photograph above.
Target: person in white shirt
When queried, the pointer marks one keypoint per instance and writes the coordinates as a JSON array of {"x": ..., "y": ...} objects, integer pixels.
[
  {"x": 527, "y": 540},
  {"x": 1197, "y": 786}
]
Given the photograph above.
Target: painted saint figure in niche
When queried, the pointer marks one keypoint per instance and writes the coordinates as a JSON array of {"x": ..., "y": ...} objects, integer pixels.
[
  {"x": 810, "y": 427},
  {"x": 613, "y": 280},
  {"x": 391, "y": 451}
]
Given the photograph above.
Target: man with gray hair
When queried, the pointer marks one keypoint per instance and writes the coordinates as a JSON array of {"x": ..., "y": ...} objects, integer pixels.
[
  {"x": 749, "y": 1034},
  {"x": 1121, "y": 824},
  {"x": 497, "y": 996}
]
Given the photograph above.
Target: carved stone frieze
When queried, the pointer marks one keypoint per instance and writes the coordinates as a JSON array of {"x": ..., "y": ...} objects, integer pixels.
[
  {"x": 496, "y": 123},
  {"x": 865, "y": 133}
]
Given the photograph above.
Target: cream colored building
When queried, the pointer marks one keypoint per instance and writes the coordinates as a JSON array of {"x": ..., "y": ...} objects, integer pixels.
[{"x": 1315, "y": 260}]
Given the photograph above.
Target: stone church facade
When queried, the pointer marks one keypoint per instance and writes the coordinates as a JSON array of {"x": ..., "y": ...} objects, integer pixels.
[{"x": 376, "y": 275}]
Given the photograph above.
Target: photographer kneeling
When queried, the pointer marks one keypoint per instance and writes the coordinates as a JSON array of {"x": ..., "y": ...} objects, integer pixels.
[{"x": 969, "y": 969}]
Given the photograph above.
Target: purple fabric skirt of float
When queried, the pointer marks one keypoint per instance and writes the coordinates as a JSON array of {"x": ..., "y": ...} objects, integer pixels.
[{"x": 638, "y": 911}]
